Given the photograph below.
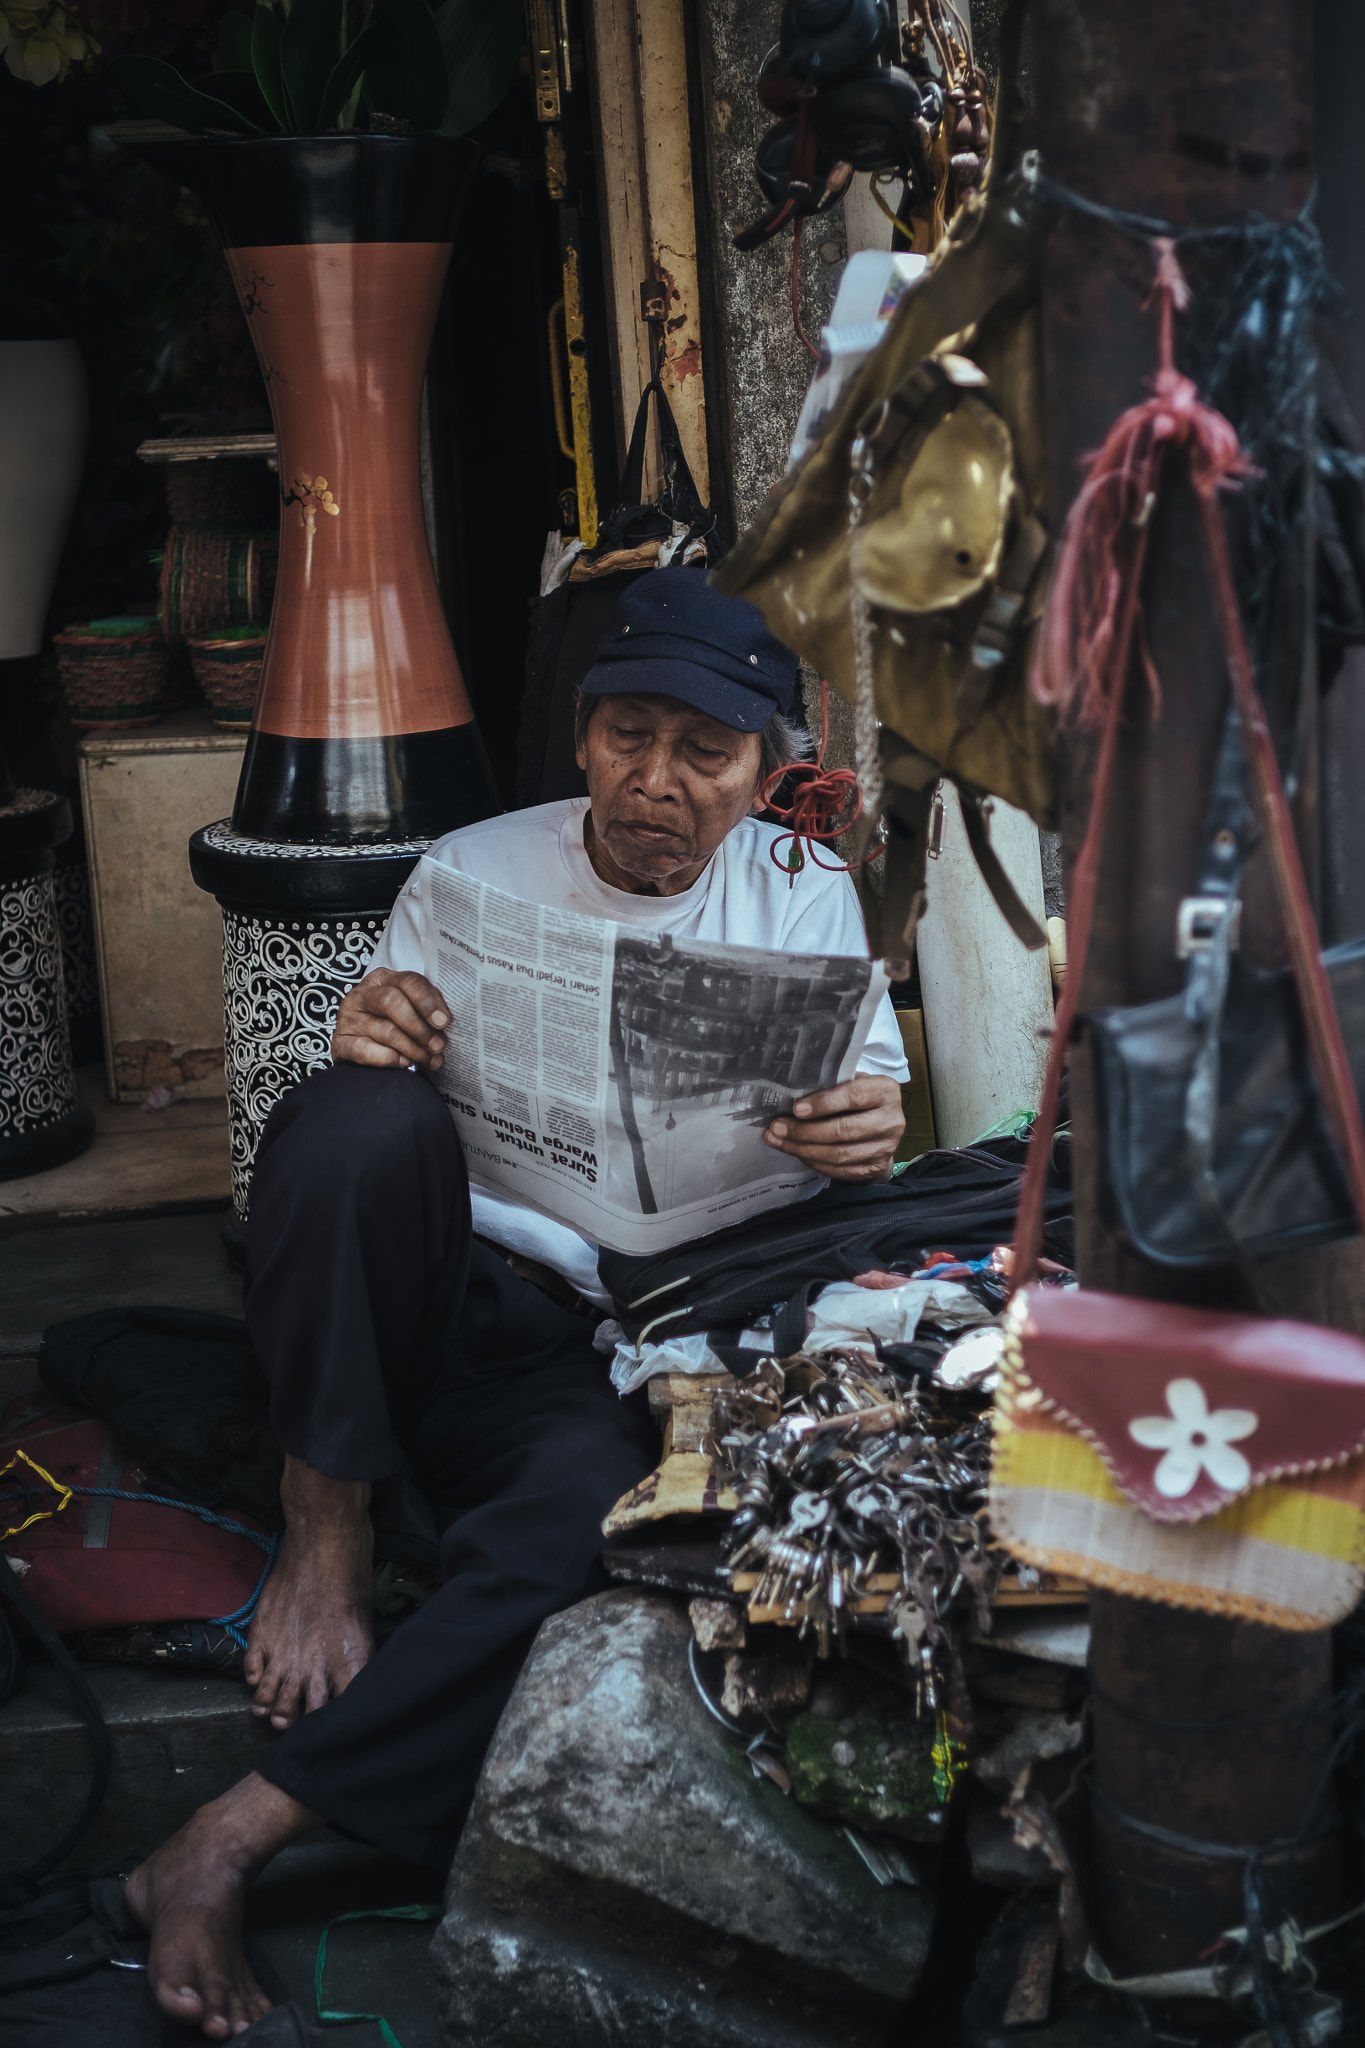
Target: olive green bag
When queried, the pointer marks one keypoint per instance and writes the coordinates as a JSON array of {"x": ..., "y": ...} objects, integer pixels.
[{"x": 906, "y": 559}]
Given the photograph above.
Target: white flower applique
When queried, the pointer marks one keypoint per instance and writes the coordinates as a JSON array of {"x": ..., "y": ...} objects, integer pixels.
[{"x": 1195, "y": 1440}]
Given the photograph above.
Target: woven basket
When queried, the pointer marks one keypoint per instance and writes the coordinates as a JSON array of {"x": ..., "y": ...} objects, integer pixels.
[
  {"x": 239, "y": 495},
  {"x": 111, "y": 680},
  {"x": 212, "y": 580},
  {"x": 228, "y": 671}
]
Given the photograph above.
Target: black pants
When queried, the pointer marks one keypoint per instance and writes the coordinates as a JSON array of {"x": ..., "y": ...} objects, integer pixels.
[{"x": 391, "y": 1336}]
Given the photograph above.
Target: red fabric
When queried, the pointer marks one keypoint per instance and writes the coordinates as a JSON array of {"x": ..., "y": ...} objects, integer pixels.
[
  {"x": 159, "y": 1564},
  {"x": 1106, "y": 526},
  {"x": 1104, "y": 1361}
]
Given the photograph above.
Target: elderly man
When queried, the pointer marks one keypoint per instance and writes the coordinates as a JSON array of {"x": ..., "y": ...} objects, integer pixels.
[{"x": 396, "y": 1335}]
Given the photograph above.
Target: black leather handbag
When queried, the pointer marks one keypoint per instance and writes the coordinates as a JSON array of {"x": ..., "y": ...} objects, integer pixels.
[
  {"x": 1277, "y": 1181},
  {"x": 1216, "y": 1146}
]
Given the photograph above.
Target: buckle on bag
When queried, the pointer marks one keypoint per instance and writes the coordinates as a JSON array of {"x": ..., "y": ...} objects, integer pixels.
[{"x": 1197, "y": 921}]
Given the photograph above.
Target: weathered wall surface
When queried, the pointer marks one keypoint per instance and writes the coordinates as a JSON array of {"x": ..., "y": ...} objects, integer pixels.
[{"x": 757, "y": 370}]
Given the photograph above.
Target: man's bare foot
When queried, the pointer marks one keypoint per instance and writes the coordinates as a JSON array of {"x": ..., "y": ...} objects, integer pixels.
[
  {"x": 189, "y": 1897},
  {"x": 312, "y": 1629}
]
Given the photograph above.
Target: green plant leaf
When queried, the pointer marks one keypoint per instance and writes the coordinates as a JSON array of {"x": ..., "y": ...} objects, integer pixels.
[
  {"x": 266, "y": 31},
  {"x": 309, "y": 48},
  {"x": 157, "y": 89},
  {"x": 234, "y": 40},
  {"x": 482, "y": 42},
  {"x": 340, "y": 88},
  {"x": 406, "y": 75},
  {"x": 241, "y": 92}
]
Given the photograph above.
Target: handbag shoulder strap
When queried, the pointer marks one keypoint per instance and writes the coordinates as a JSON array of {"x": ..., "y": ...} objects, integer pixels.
[{"x": 679, "y": 496}]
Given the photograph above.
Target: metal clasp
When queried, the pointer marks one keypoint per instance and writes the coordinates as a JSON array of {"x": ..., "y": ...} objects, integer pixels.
[{"x": 1197, "y": 921}]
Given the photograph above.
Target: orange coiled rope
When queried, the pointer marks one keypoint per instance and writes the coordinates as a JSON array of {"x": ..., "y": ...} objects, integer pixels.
[{"x": 825, "y": 802}]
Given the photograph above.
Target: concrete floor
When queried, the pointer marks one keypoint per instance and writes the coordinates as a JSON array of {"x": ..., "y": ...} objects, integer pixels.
[
  {"x": 373, "y": 1966},
  {"x": 141, "y": 1162},
  {"x": 136, "y": 1220}
]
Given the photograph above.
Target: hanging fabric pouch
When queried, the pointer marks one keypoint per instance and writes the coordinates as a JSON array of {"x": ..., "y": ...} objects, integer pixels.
[{"x": 1212, "y": 1461}]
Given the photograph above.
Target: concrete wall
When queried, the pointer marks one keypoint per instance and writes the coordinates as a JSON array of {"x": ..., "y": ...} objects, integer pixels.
[
  {"x": 756, "y": 369},
  {"x": 987, "y": 1001}
]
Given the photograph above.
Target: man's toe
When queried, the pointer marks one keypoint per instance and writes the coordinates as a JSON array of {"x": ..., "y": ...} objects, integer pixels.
[
  {"x": 267, "y": 1692},
  {"x": 247, "y": 2003},
  {"x": 181, "y": 2001},
  {"x": 288, "y": 1705}
]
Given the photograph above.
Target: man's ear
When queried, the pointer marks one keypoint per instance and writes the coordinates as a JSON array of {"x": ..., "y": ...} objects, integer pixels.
[{"x": 580, "y": 749}]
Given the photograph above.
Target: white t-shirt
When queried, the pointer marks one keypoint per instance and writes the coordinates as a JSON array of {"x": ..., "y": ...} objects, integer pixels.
[{"x": 743, "y": 899}]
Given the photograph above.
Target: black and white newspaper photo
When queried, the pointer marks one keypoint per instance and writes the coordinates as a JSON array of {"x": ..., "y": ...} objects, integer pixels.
[{"x": 621, "y": 1081}]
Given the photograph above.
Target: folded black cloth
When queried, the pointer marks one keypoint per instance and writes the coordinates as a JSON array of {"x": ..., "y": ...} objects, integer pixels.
[
  {"x": 963, "y": 1201},
  {"x": 185, "y": 1394}
]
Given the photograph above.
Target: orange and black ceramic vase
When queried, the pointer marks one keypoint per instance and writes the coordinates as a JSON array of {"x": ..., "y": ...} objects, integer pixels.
[{"x": 363, "y": 748}]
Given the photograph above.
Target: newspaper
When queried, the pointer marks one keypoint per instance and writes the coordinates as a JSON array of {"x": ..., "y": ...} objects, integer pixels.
[{"x": 620, "y": 1080}]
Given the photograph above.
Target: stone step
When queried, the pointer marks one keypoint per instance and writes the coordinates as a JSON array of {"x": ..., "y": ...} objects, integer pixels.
[{"x": 178, "y": 1738}]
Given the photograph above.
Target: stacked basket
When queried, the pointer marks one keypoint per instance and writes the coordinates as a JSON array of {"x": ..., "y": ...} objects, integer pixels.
[
  {"x": 218, "y": 575},
  {"x": 113, "y": 673},
  {"x": 227, "y": 668}
]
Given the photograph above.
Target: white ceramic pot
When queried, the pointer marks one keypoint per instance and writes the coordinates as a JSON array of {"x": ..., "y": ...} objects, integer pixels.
[{"x": 44, "y": 412}]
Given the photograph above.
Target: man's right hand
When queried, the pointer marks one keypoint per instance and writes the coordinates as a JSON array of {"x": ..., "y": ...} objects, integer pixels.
[{"x": 391, "y": 1020}]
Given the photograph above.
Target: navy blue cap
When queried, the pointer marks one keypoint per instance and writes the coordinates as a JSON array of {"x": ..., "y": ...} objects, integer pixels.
[{"x": 672, "y": 635}]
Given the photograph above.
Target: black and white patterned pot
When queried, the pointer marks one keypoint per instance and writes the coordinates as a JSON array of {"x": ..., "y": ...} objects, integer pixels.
[
  {"x": 41, "y": 1122},
  {"x": 299, "y": 925}
]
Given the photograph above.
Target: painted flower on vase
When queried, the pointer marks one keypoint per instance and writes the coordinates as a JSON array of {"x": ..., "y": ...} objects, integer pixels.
[{"x": 312, "y": 494}]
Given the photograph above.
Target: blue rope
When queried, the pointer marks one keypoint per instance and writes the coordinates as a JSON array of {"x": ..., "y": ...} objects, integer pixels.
[
  {"x": 162, "y": 1500},
  {"x": 247, "y": 1610},
  {"x": 269, "y": 1544}
]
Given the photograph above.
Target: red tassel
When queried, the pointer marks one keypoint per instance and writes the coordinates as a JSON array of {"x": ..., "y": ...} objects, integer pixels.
[{"x": 1075, "y": 667}]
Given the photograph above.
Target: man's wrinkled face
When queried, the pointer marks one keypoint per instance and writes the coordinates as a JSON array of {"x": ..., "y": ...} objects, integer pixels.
[{"x": 666, "y": 784}]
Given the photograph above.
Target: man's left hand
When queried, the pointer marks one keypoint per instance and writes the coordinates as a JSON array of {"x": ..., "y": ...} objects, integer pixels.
[{"x": 847, "y": 1133}]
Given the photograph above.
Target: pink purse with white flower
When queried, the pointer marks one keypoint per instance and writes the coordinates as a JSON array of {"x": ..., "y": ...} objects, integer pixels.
[{"x": 1181, "y": 1455}]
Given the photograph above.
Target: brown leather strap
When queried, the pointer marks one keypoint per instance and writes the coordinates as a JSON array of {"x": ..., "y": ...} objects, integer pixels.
[
  {"x": 1008, "y": 901},
  {"x": 1028, "y": 1228}
]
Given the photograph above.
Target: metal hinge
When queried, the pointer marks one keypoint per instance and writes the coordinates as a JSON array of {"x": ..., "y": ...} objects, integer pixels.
[{"x": 1197, "y": 921}]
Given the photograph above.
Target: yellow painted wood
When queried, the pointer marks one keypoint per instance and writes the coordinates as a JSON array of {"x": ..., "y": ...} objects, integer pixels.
[
  {"x": 580, "y": 407},
  {"x": 637, "y": 52},
  {"x": 917, "y": 1104}
]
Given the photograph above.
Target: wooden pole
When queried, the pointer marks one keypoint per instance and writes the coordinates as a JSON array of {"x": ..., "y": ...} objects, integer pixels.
[{"x": 1209, "y": 1729}]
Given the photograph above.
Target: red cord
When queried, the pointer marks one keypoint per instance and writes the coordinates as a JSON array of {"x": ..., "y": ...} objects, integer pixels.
[
  {"x": 801, "y": 333},
  {"x": 825, "y": 802}
]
